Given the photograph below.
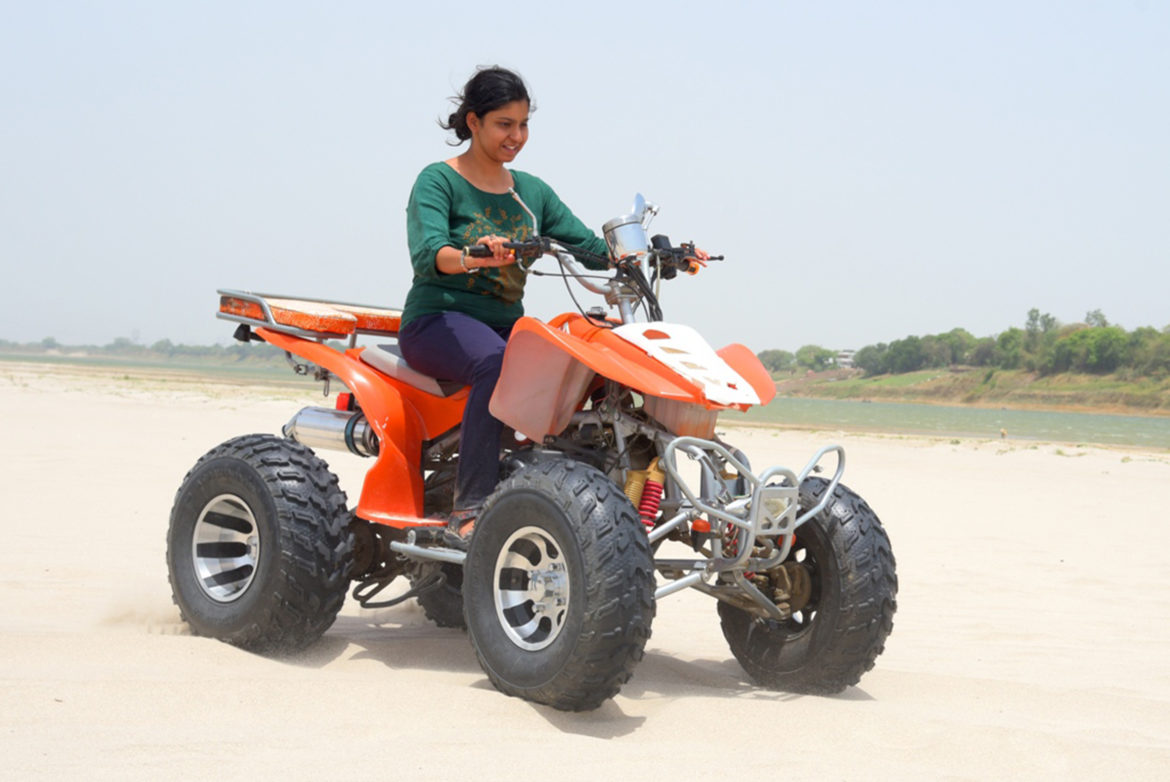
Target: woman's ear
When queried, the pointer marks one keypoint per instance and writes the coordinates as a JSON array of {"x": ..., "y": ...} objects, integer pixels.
[{"x": 472, "y": 122}]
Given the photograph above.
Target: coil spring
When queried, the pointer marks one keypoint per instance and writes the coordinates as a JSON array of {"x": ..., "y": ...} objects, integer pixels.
[{"x": 651, "y": 499}]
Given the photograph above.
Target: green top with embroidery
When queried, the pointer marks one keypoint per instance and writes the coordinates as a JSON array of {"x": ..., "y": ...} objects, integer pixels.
[{"x": 447, "y": 210}]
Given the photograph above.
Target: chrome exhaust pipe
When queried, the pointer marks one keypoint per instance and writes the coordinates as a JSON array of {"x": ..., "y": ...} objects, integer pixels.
[{"x": 338, "y": 430}]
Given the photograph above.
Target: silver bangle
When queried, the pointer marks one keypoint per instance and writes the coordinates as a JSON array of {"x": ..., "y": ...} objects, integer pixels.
[{"x": 463, "y": 262}]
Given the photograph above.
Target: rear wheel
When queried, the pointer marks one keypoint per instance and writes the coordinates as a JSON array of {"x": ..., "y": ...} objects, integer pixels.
[
  {"x": 258, "y": 545},
  {"x": 559, "y": 586},
  {"x": 841, "y": 576}
]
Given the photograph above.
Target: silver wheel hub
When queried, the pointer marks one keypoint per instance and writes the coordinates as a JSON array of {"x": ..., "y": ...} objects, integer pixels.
[
  {"x": 531, "y": 588},
  {"x": 225, "y": 547}
]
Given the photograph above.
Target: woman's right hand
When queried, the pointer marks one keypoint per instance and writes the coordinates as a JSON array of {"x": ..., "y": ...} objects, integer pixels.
[
  {"x": 455, "y": 260},
  {"x": 501, "y": 256}
]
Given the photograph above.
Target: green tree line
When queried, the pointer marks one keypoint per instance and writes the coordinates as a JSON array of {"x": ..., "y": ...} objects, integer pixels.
[{"x": 1043, "y": 345}]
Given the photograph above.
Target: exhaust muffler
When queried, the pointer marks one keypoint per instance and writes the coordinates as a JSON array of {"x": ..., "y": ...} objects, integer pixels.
[{"x": 338, "y": 430}]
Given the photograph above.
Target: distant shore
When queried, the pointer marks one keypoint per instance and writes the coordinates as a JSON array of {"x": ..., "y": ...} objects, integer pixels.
[
  {"x": 989, "y": 389},
  {"x": 244, "y": 373},
  {"x": 999, "y": 390}
]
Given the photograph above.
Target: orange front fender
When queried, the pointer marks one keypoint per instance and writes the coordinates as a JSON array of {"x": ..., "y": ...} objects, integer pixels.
[
  {"x": 747, "y": 365},
  {"x": 547, "y": 369}
]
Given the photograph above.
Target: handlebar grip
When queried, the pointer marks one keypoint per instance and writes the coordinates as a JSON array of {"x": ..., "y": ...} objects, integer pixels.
[
  {"x": 478, "y": 251},
  {"x": 530, "y": 250}
]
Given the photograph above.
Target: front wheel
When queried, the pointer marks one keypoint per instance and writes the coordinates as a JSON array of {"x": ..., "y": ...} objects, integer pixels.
[
  {"x": 258, "y": 546},
  {"x": 842, "y": 569},
  {"x": 558, "y": 586}
]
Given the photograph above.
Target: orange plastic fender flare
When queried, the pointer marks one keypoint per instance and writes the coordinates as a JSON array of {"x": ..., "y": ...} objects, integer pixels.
[{"x": 747, "y": 365}]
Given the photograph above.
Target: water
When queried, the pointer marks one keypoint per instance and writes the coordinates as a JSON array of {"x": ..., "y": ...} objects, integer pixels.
[{"x": 956, "y": 421}]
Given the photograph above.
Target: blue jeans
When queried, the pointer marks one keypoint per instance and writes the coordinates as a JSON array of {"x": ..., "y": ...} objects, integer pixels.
[{"x": 454, "y": 346}]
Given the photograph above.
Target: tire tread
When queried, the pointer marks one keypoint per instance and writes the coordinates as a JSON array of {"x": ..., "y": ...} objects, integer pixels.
[
  {"x": 314, "y": 544},
  {"x": 619, "y": 592},
  {"x": 864, "y": 616}
]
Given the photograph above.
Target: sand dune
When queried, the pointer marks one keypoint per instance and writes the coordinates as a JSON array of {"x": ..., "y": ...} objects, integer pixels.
[{"x": 1032, "y": 638}]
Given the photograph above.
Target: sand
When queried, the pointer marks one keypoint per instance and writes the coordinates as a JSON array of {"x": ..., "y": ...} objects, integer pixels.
[{"x": 1032, "y": 637}]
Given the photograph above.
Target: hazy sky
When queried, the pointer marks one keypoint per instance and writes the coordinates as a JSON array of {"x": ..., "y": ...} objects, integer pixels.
[{"x": 870, "y": 170}]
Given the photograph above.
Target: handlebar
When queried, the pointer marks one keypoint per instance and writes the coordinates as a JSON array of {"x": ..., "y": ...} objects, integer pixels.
[
  {"x": 534, "y": 248},
  {"x": 671, "y": 260},
  {"x": 628, "y": 288},
  {"x": 530, "y": 249}
]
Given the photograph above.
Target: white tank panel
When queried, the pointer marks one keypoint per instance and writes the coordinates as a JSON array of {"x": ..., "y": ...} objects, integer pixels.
[{"x": 686, "y": 352}]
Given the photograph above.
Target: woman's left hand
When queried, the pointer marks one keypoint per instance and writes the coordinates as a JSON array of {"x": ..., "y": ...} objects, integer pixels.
[{"x": 698, "y": 260}]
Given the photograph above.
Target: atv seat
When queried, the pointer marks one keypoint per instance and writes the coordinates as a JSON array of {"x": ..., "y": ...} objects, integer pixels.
[{"x": 388, "y": 360}]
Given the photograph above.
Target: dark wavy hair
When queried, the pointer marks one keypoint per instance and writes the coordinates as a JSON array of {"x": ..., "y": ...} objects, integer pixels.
[{"x": 490, "y": 88}]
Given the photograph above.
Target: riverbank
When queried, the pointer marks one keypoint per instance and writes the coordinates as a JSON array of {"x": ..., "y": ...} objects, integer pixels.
[
  {"x": 1072, "y": 426},
  {"x": 960, "y": 386},
  {"x": 965, "y": 422},
  {"x": 193, "y": 375},
  {"x": 989, "y": 388},
  {"x": 965, "y": 386},
  {"x": 996, "y": 555}
]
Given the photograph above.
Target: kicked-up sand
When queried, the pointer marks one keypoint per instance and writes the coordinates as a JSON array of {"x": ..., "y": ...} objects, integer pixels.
[{"x": 1032, "y": 638}]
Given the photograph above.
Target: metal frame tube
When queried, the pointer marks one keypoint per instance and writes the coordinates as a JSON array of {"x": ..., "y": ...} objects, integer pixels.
[
  {"x": 771, "y": 511},
  {"x": 427, "y": 552}
]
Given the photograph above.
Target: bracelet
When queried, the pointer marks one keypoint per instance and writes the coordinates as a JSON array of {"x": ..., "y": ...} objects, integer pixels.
[{"x": 463, "y": 261}]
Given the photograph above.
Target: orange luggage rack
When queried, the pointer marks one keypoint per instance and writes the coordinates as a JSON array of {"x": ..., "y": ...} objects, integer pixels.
[{"x": 309, "y": 318}]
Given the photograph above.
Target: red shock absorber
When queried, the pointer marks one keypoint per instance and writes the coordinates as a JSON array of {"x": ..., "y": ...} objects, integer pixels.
[
  {"x": 651, "y": 494},
  {"x": 651, "y": 499}
]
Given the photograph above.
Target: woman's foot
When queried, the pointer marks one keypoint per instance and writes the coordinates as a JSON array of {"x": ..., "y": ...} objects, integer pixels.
[{"x": 462, "y": 521}]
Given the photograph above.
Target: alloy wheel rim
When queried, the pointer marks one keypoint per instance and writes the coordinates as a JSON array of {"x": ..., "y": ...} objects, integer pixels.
[
  {"x": 531, "y": 588},
  {"x": 225, "y": 548}
]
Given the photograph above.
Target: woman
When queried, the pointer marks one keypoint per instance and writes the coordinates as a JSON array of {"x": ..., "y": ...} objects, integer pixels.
[{"x": 460, "y": 309}]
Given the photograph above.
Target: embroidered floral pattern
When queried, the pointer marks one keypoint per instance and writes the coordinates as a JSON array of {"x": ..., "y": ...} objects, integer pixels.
[{"x": 504, "y": 282}]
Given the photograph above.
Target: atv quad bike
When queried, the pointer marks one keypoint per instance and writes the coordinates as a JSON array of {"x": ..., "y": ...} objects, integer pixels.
[{"x": 615, "y": 492}]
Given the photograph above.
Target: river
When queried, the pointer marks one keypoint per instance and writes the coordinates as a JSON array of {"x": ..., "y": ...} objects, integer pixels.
[{"x": 955, "y": 421}]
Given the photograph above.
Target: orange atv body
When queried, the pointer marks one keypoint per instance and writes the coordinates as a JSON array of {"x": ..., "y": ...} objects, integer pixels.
[
  {"x": 547, "y": 371},
  {"x": 594, "y": 519}
]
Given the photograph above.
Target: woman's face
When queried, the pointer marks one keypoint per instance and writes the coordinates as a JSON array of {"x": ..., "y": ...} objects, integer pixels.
[{"x": 500, "y": 133}]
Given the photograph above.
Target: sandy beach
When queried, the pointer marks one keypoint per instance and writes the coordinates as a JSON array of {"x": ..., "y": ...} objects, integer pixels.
[{"x": 1032, "y": 638}]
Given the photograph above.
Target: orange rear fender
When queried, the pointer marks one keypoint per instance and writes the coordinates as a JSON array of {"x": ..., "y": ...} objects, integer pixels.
[{"x": 400, "y": 415}]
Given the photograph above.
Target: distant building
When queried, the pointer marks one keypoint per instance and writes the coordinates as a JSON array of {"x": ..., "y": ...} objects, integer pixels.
[{"x": 845, "y": 359}]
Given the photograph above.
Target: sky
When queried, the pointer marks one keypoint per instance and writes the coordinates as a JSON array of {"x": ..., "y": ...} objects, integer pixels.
[{"x": 869, "y": 170}]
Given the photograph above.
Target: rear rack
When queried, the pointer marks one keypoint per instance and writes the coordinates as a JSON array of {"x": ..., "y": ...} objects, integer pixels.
[{"x": 316, "y": 319}]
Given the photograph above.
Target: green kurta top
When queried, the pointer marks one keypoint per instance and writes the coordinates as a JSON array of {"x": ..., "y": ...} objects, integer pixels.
[{"x": 447, "y": 210}]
